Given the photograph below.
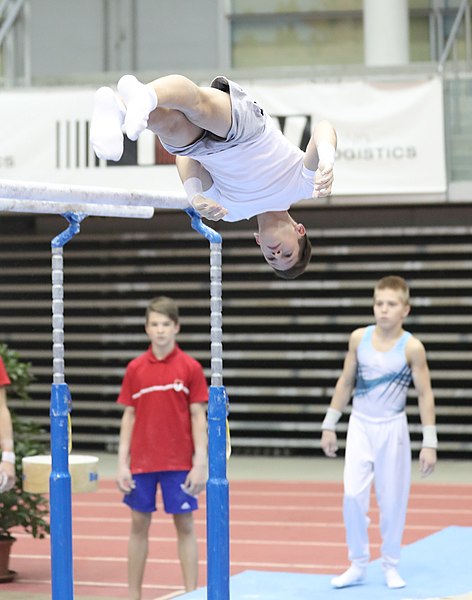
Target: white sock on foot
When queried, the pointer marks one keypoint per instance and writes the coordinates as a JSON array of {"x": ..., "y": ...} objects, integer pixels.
[
  {"x": 352, "y": 576},
  {"x": 393, "y": 578},
  {"x": 140, "y": 100},
  {"x": 108, "y": 115}
]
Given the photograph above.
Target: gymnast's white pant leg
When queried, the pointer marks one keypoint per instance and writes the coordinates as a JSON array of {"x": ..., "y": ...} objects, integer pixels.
[
  {"x": 392, "y": 485},
  {"x": 358, "y": 477}
]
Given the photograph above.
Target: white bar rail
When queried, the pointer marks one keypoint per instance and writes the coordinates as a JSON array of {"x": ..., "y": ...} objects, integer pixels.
[
  {"x": 54, "y": 192},
  {"x": 91, "y": 210}
]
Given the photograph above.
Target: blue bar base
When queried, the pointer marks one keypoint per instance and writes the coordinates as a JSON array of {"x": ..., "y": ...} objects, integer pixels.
[
  {"x": 60, "y": 496},
  {"x": 217, "y": 498}
]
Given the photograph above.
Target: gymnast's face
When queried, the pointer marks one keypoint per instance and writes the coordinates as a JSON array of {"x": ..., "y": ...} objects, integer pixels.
[
  {"x": 162, "y": 332},
  {"x": 279, "y": 244},
  {"x": 390, "y": 308}
]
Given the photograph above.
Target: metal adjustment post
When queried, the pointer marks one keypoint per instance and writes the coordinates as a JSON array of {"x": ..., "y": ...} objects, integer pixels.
[
  {"x": 59, "y": 480},
  {"x": 217, "y": 485}
]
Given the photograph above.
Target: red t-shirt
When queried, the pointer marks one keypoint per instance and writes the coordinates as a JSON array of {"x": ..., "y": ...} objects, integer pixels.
[
  {"x": 161, "y": 392},
  {"x": 4, "y": 379}
]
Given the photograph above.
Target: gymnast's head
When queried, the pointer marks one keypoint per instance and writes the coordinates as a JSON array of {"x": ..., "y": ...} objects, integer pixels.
[{"x": 284, "y": 244}]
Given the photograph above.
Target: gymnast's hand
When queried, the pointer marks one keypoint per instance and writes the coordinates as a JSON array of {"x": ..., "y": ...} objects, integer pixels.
[
  {"x": 427, "y": 461},
  {"x": 124, "y": 480},
  {"x": 7, "y": 476},
  {"x": 208, "y": 208},
  {"x": 196, "y": 480},
  {"x": 324, "y": 178},
  {"x": 329, "y": 443}
]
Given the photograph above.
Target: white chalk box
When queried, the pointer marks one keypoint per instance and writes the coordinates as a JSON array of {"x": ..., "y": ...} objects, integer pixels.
[{"x": 83, "y": 470}]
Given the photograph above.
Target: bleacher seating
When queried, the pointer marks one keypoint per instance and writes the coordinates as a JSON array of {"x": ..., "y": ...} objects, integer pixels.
[{"x": 284, "y": 341}]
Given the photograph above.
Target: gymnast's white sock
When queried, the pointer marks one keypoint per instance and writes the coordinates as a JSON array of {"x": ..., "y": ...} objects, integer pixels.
[
  {"x": 393, "y": 578},
  {"x": 353, "y": 576},
  {"x": 108, "y": 115},
  {"x": 140, "y": 100}
]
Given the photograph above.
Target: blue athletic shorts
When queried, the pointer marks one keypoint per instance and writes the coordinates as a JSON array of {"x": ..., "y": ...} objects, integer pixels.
[{"x": 143, "y": 497}]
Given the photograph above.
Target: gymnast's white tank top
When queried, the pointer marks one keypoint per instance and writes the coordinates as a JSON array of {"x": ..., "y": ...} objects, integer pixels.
[
  {"x": 265, "y": 174},
  {"x": 382, "y": 379}
]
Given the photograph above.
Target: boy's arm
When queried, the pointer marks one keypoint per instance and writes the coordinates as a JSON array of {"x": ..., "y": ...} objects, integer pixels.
[
  {"x": 7, "y": 462},
  {"x": 124, "y": 477},
  {"x": 6, "y": 429},
  {"x": 319, "y": 157},
  {"x": 196, "y": 179},
  {"x": 416, "y": 356},
  {"x": 342, "y": 395},
  {"x": 197, "y": 476}
]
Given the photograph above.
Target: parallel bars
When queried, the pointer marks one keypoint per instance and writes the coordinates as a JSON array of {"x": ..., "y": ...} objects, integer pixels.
[{"x": 76, "y": 203}]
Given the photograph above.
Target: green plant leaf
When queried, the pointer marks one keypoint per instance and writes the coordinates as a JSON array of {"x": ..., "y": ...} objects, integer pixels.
[{"x": 17, "y": 507}]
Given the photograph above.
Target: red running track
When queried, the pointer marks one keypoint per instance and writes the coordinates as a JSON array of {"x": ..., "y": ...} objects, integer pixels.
[{"x": 275, "y": 526}]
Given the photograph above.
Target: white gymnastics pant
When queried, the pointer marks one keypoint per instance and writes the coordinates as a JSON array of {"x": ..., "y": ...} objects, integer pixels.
[{"x": 377, "y": 451}]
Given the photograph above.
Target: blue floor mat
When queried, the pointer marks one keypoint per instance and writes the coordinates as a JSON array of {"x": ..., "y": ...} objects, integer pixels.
[{"x": 439, "y": 565}]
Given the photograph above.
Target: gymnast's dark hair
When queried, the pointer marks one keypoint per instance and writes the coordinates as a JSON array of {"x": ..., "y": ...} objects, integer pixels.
[
  {"x": 164, "y": 305},
  {"x": 300, "y": 266}
]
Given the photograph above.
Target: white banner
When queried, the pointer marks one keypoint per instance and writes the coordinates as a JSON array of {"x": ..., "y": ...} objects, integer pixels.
[{"x": 390, "y": 136}]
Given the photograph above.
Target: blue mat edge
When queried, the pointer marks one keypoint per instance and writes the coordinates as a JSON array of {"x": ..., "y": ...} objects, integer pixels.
[{"x": 416, "y": 558}]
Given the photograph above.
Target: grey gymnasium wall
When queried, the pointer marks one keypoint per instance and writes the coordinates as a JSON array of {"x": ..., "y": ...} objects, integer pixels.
[{"x": 70, "y": 38}]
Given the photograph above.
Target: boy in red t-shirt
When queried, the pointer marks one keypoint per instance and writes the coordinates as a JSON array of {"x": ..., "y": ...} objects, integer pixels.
[
  {"x": 7, "y": 464},
  {"x": 163, "y": 441}
]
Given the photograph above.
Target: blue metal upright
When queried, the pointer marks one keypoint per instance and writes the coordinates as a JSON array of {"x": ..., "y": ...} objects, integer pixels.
[
  {"x": 59, "y": 481},
  {"x": 217, "y": 485},
  {"x": 60, "y": 496},
  {"x": 217, "y": 498}
]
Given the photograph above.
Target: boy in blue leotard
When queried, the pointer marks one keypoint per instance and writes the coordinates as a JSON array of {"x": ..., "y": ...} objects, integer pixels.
[{"x": 381, "y": 362}]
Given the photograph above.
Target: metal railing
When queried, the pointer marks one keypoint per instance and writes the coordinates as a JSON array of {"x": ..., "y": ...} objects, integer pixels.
[
  {"x": 452, "y": 43},
  {"x": 454, "y": 63},
  {"x": 450, "y": 37},
  {"x": 15, "y": 55}
]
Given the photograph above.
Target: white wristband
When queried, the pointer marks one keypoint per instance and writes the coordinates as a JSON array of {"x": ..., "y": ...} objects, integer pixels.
[
  {"x": 326, "y": 152},
  {"x": 8, "y": 457},
  {"x": 193, "y": 187},
  {"x": 430, "y": 437},
  {"x": 331, "y": 418}
]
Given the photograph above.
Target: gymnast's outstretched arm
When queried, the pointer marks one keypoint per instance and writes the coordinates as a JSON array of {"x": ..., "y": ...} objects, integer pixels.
[
  {"x": 319, "y": 157},
  {"x": 196, "y": 181}
]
